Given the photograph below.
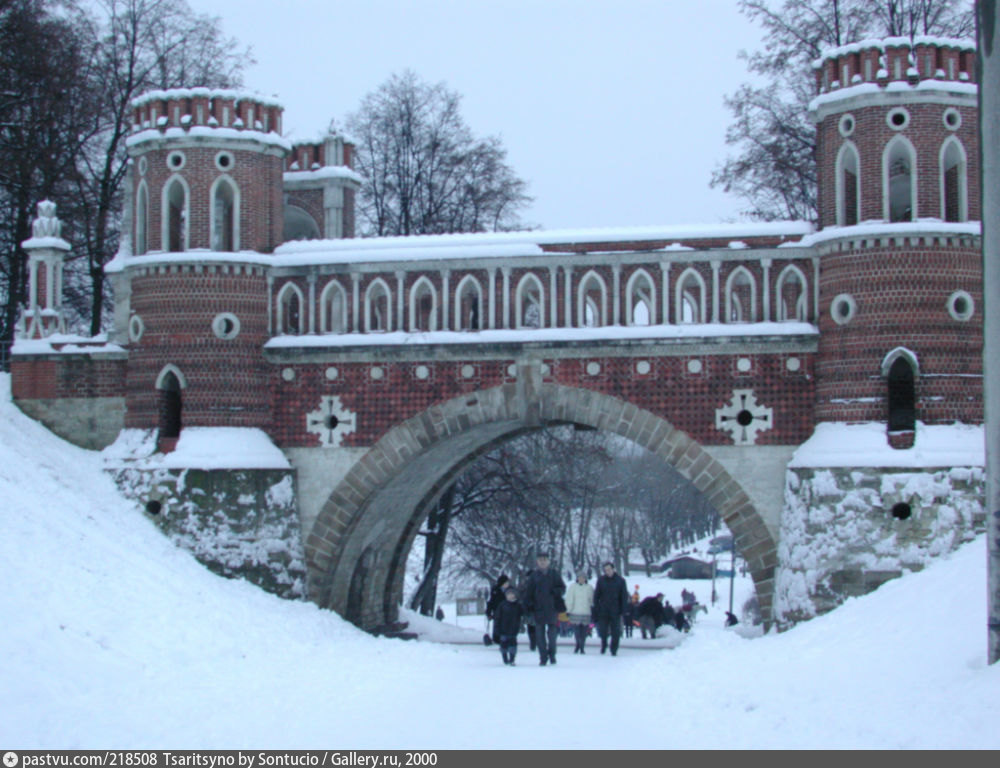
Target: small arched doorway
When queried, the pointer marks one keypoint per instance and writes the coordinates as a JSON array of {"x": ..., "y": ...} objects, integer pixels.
[{"x": 169, "y": 408}]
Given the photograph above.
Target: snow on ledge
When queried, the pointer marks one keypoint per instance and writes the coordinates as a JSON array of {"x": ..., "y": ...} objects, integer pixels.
[
  {"x": 543, "y": 335},
  {"x": 197, "y": 448},
  {"x": 868, "y": 229},
  {"x": 866, "y": 445}
]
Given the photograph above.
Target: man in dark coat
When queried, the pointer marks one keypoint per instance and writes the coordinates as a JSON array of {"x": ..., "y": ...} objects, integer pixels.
[
  {"x": 543, "y": 594},
  {"x": 611, "y": 601}
]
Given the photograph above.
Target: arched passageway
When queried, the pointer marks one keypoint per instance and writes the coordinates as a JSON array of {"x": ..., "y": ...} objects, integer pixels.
[{"x": 357, "y": 549}]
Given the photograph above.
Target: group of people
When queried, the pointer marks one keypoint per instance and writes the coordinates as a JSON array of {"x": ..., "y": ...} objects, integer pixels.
[{"x": 544, "y": 597}]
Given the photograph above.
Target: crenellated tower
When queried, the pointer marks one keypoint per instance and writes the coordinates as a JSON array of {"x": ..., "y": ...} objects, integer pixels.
[
  {"x": 899, "y": 288},
  {"x": 207, "y": 172}
]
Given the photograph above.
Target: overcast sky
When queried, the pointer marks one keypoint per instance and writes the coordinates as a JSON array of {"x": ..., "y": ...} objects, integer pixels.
[{"x": 611, "y": 110}]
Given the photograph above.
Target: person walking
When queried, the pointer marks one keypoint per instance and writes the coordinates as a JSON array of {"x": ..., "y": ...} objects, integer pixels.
[
  {"x": 610, "y": 602},
  {"x": 507, "y": 624},
  {"x": 543, "y": 595},
  {"x": 579, "y": 606}
]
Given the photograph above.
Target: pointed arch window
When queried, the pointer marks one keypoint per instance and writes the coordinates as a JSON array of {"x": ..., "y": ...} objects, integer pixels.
[
  {"x": 741, "y": 296},
  {"x": 954, "y": 181},
  {"x": 290, "y": 310},
  {"x": 640, "y": 299},
  {"x": 592, "y": 302},
  {"x": 468, "y": 304},
  {"x": 529, "y": 303},
  {"x": 225, "y": 215},
  {"x": 141, "y": 219},
  {"x": 690, "y": 298},
  {"x": 423, "y": 306},
  {"x": 169, "y": 384},
  {"x": 333, "y": 308},
  {"x": 378, "y": 307},
  {"x": 848, "y": 182},
  {"x": 175, "y": 215},
  {"x": 899, "y": 184},
  {"x": 791, "y": 295},
  {"x": 901, "y": 371}
]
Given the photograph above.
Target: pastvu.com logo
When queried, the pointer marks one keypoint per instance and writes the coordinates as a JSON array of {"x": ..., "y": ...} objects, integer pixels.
[{"x": 9, "y": 759}]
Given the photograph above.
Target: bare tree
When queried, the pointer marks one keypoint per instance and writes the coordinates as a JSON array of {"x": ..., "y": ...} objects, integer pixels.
[
  {"x": 143, "y": 45},
  {"x": 46, "y": 115},
  {"x": 425, "y": 173}
]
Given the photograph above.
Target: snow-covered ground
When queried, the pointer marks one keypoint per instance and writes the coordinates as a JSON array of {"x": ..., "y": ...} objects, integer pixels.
[{"x": 113, "y": 637}]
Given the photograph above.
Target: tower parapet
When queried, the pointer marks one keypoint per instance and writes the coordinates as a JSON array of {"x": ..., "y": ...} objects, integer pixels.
[{"x": 896, "y": 60}]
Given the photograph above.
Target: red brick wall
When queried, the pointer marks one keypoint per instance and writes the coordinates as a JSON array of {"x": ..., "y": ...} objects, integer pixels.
[
  {"x": 225, "y": 378},
  {"x": 66, "y": 376},
  {"x": 901, "y": 296},
  {"x": 258, "y": 176},
  {"x": 686, "y": 400}
]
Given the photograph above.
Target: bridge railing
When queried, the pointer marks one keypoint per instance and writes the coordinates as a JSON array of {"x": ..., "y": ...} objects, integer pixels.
[{"x": 682, "y": 286}]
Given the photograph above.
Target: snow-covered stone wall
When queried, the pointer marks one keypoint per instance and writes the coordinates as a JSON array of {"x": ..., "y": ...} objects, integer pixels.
[
  {"x": 226, "y": 495},
  {"x": 846, "y": 530}
]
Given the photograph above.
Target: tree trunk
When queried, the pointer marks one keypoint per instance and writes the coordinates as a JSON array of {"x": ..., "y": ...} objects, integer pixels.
[{"x": 425, "y": 598}]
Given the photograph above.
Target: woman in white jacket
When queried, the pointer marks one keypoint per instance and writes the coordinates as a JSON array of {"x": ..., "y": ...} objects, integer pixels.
[{"x": 579, "y": 603}]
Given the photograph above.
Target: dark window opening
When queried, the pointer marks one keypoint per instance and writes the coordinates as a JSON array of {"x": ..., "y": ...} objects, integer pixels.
[
  {"x": 850, "y": 198},
  {"x": 902, "y": 396},
  {"x": 153, "y": 507},
  {"x": 901, "y": 511},
  {"x": 170, "y": 407}
]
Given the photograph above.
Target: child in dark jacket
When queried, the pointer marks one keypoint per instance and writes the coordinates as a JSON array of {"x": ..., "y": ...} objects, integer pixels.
[{"x": 506, "y": 625}]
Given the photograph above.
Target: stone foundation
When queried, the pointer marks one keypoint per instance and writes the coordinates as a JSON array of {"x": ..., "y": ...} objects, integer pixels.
[
  {"x": 847, "y": 530},
  {"x": 239, "y": 523}
]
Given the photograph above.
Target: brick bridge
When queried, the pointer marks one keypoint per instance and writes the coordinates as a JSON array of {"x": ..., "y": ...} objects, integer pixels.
[
  {"x": 377, "y": 369},
  {"x": 703, "y": 354}
]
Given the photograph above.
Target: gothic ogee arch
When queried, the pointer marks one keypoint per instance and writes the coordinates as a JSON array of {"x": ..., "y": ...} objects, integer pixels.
[{"x": 356, "y": 550}]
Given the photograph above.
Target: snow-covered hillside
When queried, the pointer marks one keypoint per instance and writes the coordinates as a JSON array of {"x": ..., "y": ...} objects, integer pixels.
[{"x": 113, "y": 637}]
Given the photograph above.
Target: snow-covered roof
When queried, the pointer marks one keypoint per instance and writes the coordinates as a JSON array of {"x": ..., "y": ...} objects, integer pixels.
[{"x": 494, "y": 244}]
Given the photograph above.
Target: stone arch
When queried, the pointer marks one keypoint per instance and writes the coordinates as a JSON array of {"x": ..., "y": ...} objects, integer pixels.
[
  {"x": 333, "y": 308},
  {"x": 141, "y": 239},
  {"x": 899, "y": 180},
  {"x": 592, "y": 301},
  {"x": 290, "y": 304},
  {"x": 175, "y": 216},
  {"x": 378, "y": 306},
  {"x": 791, "y": 296},
  {"x": 357, "y": 548},
  {"x": 689, "y": 302},
  {"x": 468, "y": 304},
  {"x": 847, "y": 179},
  {"x": 640, "y": 291},
  {"x": 224, "y": 203},
  {"x": 529, "y": 302},
  {"x": 423, "y": 305},
  {"x": 170, "y": 383},
  {"x": 741, "y": 296},
  {"x": 953, "y": 181}
]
